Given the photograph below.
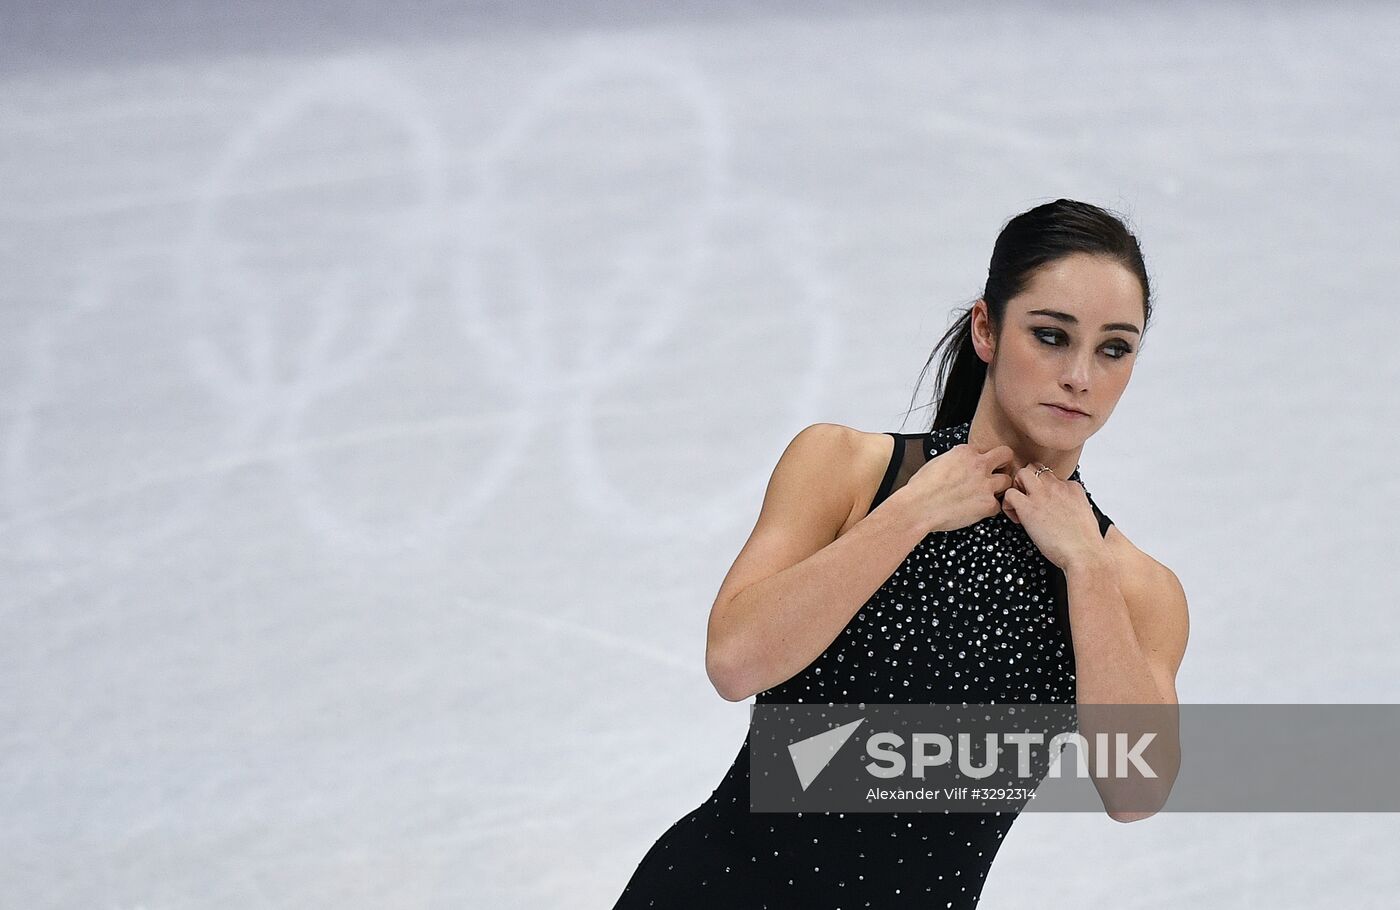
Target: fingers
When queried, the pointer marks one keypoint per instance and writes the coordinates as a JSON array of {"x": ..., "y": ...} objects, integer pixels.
[
  {"x": 998, "y": 457},
  {"x": 1008, "y": 504},
  {"x": 1032, "y": 473}
]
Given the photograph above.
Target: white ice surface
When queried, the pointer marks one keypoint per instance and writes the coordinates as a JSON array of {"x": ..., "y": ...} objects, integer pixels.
[{"x": 379, "y": 415}]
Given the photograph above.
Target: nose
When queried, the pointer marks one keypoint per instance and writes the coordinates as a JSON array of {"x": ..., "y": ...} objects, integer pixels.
[{"x": 1076, "y": 375}]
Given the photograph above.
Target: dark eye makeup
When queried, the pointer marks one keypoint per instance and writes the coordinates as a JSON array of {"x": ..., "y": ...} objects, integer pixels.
[{"x": 1052, "y": 336}]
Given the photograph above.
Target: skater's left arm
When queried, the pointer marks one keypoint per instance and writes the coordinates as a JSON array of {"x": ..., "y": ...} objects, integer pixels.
[{"x": 1130, "y": 625}]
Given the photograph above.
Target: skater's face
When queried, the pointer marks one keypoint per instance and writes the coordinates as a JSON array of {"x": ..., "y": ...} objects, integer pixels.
[{"x": 1070, "y": 338}]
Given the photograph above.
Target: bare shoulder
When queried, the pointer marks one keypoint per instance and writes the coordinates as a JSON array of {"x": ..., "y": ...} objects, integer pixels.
[
  {"x": 851, "y": 460},
  {"x": 869, "y": 458},
  {"x": 1156, "y": 602},
  {"x": 1134, "y": 562}
]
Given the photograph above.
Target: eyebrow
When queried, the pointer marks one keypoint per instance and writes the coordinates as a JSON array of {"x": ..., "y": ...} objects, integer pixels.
[{"x": 1074, "y": 320}]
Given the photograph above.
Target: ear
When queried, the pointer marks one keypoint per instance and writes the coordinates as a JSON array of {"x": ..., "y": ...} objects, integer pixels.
[{"x": 983, "y": 341}]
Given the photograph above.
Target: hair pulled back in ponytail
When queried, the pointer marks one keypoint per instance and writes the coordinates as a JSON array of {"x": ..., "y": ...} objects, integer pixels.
[{"x": 1028, "y": 241}]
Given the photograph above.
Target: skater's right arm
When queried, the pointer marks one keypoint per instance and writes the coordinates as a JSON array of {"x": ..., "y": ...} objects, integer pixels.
[{"x": 798, "y": 580}]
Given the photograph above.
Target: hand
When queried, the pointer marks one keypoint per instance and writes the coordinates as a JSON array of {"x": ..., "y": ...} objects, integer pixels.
[
  {"x": 961, "y": 486},
  {"x": 1056, "y": 514}
]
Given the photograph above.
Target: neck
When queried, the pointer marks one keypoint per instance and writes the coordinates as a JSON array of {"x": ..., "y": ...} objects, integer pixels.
[{"x": 990, "y": 429}]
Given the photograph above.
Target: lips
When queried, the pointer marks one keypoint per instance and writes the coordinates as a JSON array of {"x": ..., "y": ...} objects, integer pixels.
[{"x": 1065, "y": 407}]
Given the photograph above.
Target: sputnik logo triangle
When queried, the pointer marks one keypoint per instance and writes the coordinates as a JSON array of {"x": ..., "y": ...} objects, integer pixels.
[{"x": 811, "y": 755}]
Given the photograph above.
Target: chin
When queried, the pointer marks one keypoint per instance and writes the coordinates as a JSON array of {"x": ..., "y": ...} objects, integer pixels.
[{"x": 1054, "y": 432}]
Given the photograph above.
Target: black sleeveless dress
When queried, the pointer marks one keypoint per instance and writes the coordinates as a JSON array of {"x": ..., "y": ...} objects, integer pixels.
[{"x": 976, "y": 615}]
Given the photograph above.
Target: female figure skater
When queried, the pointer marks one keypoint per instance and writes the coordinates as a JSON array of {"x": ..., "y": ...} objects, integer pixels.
[{"x": 869, "y": 541}]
